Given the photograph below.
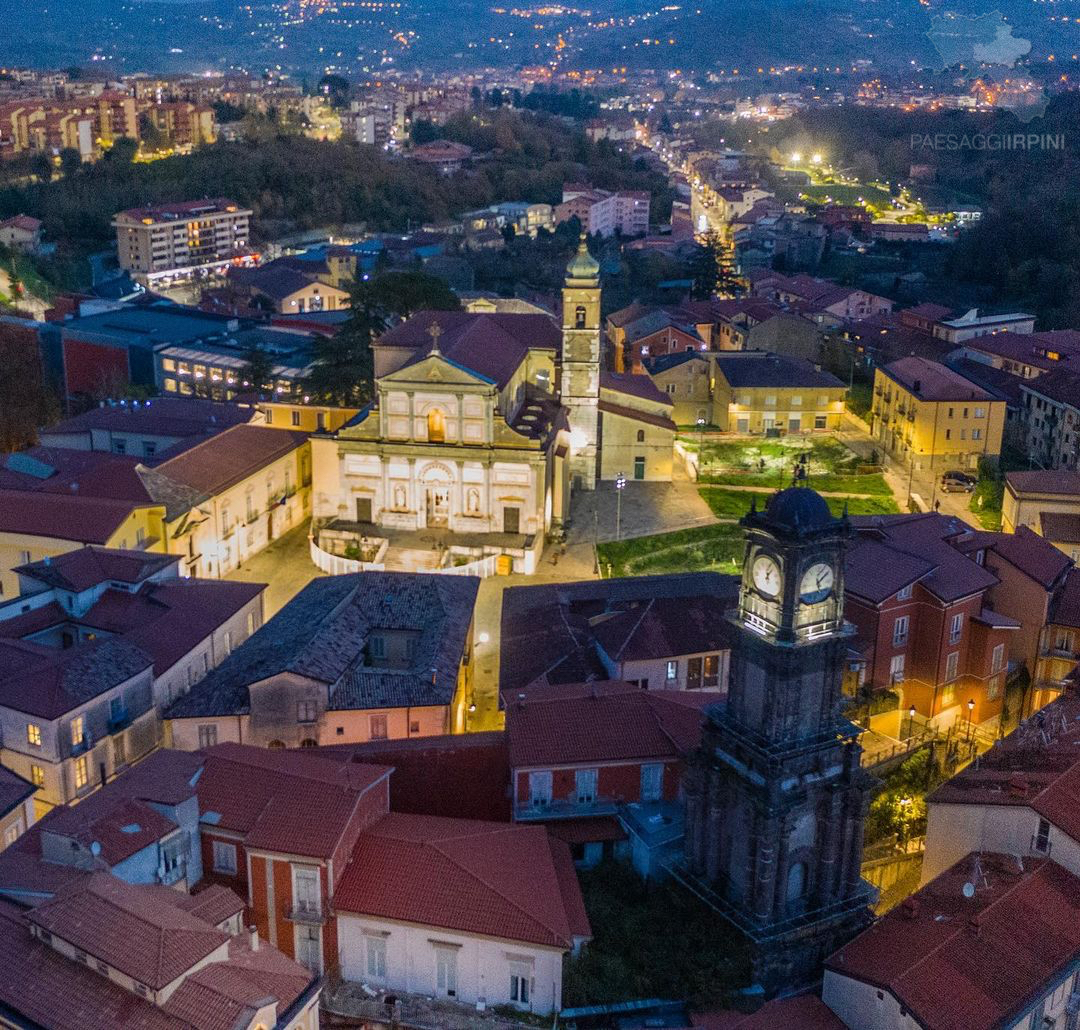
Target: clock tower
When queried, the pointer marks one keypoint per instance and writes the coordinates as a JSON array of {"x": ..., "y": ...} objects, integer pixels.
[{"x": 775, "y": 795}]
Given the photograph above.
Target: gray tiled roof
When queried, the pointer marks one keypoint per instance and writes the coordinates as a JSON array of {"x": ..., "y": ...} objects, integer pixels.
[{"x": 322, "y": 635}]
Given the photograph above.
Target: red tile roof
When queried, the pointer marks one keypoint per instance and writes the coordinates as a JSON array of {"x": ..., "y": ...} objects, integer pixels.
[
  {"x": 283, "y": 801},
  {"x": 1032, "y": 555},
  {"x": 162, "y": 416},
  {"x": 14, "y": 790},
  {"x": 959, "y": 963},
  {"x": 225, "y": 995},
  {"x": 60, "y": 470},
  {"x": 603, "y": 722},
  {"x": 120, "y": 925},
  {"x": 120, "y": 827},
  {"x": 1045, "y": 481},
  {"x": 1065, "y": 608},
  {"x": 494, "y": 879},
  {"x": 637, "y": 415},
  {"x": 229, "y": 457},
  {"x": 43, "y": 986},
  {"x": 634, "y": 385},
  {"x": 88, "y": 566},
  {"x": 806, "y": 1012},
  {"x": 86, "y": 520},
  {"x": 935, "y": 382}
]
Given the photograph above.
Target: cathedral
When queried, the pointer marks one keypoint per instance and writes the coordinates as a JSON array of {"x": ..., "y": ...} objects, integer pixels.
[
  {"x": 482, "y": 426},
  {"x": 775, "y": 796}
]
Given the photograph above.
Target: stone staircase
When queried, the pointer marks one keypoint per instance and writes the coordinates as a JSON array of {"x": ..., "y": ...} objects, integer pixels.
[{"x": 401, "y": 559}]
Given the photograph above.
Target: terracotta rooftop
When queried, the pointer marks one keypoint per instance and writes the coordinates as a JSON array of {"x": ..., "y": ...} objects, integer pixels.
[
  {"x": 495, "y": 879},
  {"x": 603, "y": 722},
  {"x": 1045, "y": 481},
  {"x": 163, "y": 416},
  {"x": 118, "y": 924},
  {"x": 632, "y": 385},
  {"x": 929, "y": 381},
  {"x": 805, "y": 1012},
  {"x": 86, "y": 520},
  {"x": 490, "y": 345},
  {"x": 283, "y": 801},
  {"x": 1061, "y": 527},
  {"x": 895, "y": 551},
  {"x": 88, "y": 566},
  {"x": 549, "y": 633},
  {"x": 959, "y": 963},
  {"x": 1032, "y": 554},
  {"x": 74, "y": 473},
  {"x": 748, "y": 369},
  {"x": 323, "y": 632}
]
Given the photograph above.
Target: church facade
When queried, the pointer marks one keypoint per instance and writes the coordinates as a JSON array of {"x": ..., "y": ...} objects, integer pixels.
[
  {"x": 482, "y": 425},
  {"x": 776, "y": 796}
]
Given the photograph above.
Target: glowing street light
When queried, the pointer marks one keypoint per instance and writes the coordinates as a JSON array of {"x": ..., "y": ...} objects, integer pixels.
[
  {"x": 816, "y": 159},
  {"x": 796, "y": 157},
  {"x": 620, "y": 485}
]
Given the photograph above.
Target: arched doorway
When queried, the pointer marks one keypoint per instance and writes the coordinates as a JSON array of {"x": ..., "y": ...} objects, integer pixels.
[{"x": 437, "y": 480}]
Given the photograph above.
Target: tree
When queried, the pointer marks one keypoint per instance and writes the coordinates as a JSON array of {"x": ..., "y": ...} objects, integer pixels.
[
  {"x": 41, "y": 167},
  {"x": 705, "y": 267},
  {"x": 343, "y": 371},
  {"x": 123, "y": 151},
  {"x": 423, "y": 131},
  {"x": 258, "y": 369},
  {"x": 70, "y": 161}
]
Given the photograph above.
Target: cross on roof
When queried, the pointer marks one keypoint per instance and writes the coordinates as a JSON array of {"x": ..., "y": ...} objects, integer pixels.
[{"x": 434, "y": 331}]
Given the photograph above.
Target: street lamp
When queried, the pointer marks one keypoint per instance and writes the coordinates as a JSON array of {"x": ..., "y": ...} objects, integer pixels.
[
  {"x": 971, "y": 711},
  {"x": 700, "y": 444},
  {"x": 911, "y": 721},
  {"x": 620, "y": 485}
]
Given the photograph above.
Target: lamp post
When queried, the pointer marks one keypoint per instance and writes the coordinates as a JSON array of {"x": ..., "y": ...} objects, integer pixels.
[
  {"x": 620, "y": 485},
  {"x": 971, "y": 725},
  {"x": 700, "y": 446},
  {"x": 911, "y": 721}
]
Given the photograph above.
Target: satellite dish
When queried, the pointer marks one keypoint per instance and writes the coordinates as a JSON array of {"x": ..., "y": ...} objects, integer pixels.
[
  {"x": 95, "y": 849},
  {"x": 969, "y": 890}
]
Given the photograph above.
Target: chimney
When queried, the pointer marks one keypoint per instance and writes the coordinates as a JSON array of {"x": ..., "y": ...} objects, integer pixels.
[{"x": 254, "y": 938}]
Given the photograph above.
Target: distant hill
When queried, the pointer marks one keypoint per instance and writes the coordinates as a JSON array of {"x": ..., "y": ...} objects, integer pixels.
[{"x": 194, "y": 35}]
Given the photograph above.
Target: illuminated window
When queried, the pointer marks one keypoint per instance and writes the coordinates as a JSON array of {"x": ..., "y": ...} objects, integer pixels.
[
  {"x": 33, "y": 734},
  {"x": 377, "y": 724},
  {"x": 82, "y": 773},
  {"x": 37, "y": 775},
  {"x": 78, "y": 730},
  {"x": 436, "y": 426}
]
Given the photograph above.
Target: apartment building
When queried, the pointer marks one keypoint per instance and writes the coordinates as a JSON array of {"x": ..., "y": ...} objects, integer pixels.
[
  {"x": 173, "y": 242},
  {"x": 932, "y": 417},
  {"x": 603, "y": 213},
  {"x": 1050, "y": 419}
]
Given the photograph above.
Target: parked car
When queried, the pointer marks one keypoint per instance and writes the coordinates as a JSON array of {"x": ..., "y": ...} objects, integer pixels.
[{"x": 957, "y": 482}]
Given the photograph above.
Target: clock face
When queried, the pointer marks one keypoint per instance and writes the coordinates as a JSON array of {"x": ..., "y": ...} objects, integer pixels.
[
  {"x": 766, "y": 575},
  {"x": 817, "y": 583}
]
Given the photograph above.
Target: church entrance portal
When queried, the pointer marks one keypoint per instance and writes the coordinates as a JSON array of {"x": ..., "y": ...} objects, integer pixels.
[{"x": 438, "y": 506}]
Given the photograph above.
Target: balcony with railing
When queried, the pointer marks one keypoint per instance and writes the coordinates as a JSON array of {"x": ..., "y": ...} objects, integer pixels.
[
  {"x": 569, "y": 808},
  {"x": 306, "y": 910}
]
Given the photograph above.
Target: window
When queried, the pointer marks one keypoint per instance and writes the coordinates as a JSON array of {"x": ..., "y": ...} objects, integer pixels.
[
  {"x": 820, "y": 422},
  {"x": 13, "y": 832},
  {"x": 436, "y": 426},
  {"x": 976, "y": 434},
  {"x": 309, "y": 742},
  {"x": 224, "y": 857},
  {"x": 672, "y": 670},
  {"x": 693, "y": 673},
  {"x": 269, "y": 416},
  {"x": 149, "y": 448},
  {"x": 378, "y": 647},
  {"x": 305, "y": 889},
  {"x": 903, "y": 595},
  {"x": 306, "y": 711},
  {"x": 377, "y": 727},
  {"x": 119, "y": 446},
  {"x": 446, "y": 971},
  {"x": 652, "y": 782},
  {"x": 119, "y": 750},
  {"x": 900, "y": 631},
  {"x": 641, "y": 436},
  {"x": 579, "y": 317},
  {"x": 520, "y": 982},
  {"x": 952, "y": 665},
  {"x": 1041, "y": 840},
  {"x": 37, "y": 776},
  {"x": 295, "y": 417},
  {"x": 948, "y": 432},
  {"x": 33, "y": 734},
  {"x": 639, "y": 467},
  {"x": 414, "y": 726},
  {"x": 207, "y": 735},
  {"x": 997, "y": 659},
  {"x": 308, "y": 943},
  {"x": 896, "y": 668},
  {"x": 980, "y": 412},
  {"x": 539, "y": 788},
  {"x": 376, "y": 957},
  {"x": 956, "y": 628},
  {"x": 770, "y": 400},
  {"x": 585, "y": 784},
  {"x": 82, "y": 773},
  {"x": 78, "y": 731}
]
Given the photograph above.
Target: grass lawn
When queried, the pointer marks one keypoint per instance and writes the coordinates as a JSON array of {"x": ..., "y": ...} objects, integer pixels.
[
  {"x": 703, "y": 549},
  {"x": 844, "y": 194},
  {"x": 729, "y": 504},
  {"x": 873, "y": 485},
  {"x": 826, "y": 455}
]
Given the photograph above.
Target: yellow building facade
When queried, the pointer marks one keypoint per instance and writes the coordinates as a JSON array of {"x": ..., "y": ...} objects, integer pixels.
[{"x": 931, "y": 416}]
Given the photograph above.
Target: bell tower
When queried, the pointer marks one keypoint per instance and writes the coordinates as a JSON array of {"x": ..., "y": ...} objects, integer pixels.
[
  {"x": 775, "y": 795},
  {"x": 580, "y": 384}
]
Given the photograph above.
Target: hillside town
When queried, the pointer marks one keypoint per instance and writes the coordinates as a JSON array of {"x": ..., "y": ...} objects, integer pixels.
[{"x": 484, "y": 550}]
